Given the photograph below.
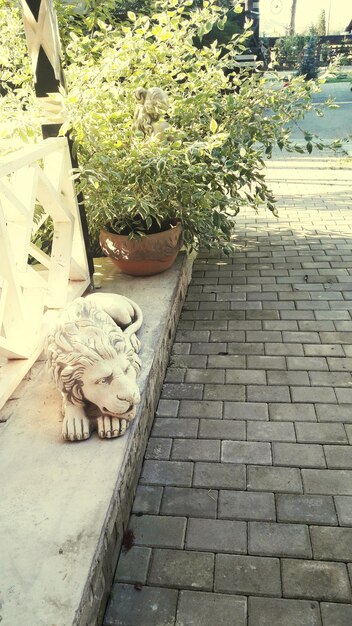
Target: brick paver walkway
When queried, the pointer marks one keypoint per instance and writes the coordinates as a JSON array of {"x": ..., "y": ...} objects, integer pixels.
[{"x": 243, "y": 514}]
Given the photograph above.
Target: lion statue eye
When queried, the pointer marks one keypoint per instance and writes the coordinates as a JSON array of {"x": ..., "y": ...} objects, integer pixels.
[{"x": 102, "y": 381}]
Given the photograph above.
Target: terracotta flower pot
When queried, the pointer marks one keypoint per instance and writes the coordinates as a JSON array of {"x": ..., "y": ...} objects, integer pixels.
[{"x": 147, "y": 255}]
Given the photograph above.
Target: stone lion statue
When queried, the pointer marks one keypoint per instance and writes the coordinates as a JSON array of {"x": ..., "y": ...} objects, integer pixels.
[
  {"x": 151, "y": 103},
  {"x": 92, "y": 357}
]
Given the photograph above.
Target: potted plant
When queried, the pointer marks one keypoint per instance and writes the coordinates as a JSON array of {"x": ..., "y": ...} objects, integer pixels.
[{"x": 220, "y": 126}]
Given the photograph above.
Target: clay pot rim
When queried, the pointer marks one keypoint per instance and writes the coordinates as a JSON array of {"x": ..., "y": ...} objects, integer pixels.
[{"x": 176, "y": 226}]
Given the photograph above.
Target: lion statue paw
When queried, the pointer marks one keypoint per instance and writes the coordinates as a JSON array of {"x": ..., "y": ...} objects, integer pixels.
[{"x": 92, "y": 357}]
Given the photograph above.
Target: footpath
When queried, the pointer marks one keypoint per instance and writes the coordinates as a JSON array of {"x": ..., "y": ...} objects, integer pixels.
[{"x": 243, "y": 511}]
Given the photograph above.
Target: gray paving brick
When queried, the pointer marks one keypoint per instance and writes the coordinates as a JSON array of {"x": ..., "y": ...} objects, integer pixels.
[
  {"x": 216, "y": 535},
  {"x": 340, "y": 364},
  {"x": 205, "y": 376},
  {"x": 338, "y": 457},
  {"x": 182, "y": 569},
  {"x": 250, "y": 575},
  {"x": 292, "y": 412},
  {"x": 175, "y": 375},
  {"x": 298, "y": 455},
  {"x": 330, "y": 379},
  {"x": 158, "y": 531},
  {"x": 158, "y": 448},
  {"x": 192, "y": 335},
  {"x": 279, "y": 612},
  {"x": 167, "y": 473},
  {"x": 306, "y": 363},
  {"x": 305, "y": 509},
  {"x": 266, "y": 362},
  {"x": 258, "y": 453},
  {"x": 196, "y": 450},
  {"x": 219, "y": 476},
  {"x": 175, "y": 427},
  {"x": 167, "y": 408},
  {"x": 333, "y": 413},
  {"x": 270, "y": 539},
  {"x": 133, "y": 565},
  {"x": 324, "y": 349},
  {"x": 222, "y": 429},
  {"x": 234, "y": 361},
  {"x": 288, "y": 378},
  {"x": 188, "y": 360},
  {"x": 348, "y": 428},
  {"x": 336, "y": 614},
  {"x": 224, "y": 392},
  {"x": 147, "y": 499},
  {"x": 344, "y": 510},
  {"x": 247, "y": 505},
  {"x": 270, "y": 431},
  {"x": 331, "y": 544},
  {"x": 182, "y": 391},
  {"x": 246, "y": 411},
  {"x": 320, "y": 433},
  {"x": 198, "y": 608},
  {"x": 189, "y": 502},
  {"x": 336, "y": 337},
  {"x": 136, "y": 607},
  {"x": 245, "y": 377},
  {"x": 344, "y": 396},
  {"x": 280, "y": 325},
  {"x": 276, "y": 479},
  {"x": 208, "y": 348},
  {"x": 204, "y": 409},
  {"x": 311, "y": 394},
  {"x": 227, "y": 335},
  {"x": 297, "y": 315},
  {"x": 334, "y": 482},
  {"x": 245, "y": 348},
  {"x": 284, "y": 349},
  {"x": 268, "y": 393},
  {"x": 300, "y": 337},
  {"x": 315, "y": 580}
]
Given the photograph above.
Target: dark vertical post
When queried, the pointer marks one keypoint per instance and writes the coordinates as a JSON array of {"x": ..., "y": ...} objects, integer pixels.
[{"x": 43, "y": 43}]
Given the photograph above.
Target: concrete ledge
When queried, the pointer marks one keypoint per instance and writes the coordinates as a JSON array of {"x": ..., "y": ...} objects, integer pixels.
[{"x": 64, "y": 507}]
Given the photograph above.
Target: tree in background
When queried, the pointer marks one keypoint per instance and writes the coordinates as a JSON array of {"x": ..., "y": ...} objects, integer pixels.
[
  {"x": 309, "y": 65},
  {"x": 293, "y": 17},
  {"x": 289, "y": 51},
  {"x": 321, "y": 24}
]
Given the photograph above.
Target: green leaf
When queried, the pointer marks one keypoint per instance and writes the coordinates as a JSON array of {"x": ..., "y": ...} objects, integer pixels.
[
  {"x": 131, "y": 16},
  {"x": 213, "y": 125}
]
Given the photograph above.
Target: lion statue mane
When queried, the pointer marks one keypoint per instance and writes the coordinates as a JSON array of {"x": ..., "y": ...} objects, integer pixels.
[{"x": 92, "y": 357}]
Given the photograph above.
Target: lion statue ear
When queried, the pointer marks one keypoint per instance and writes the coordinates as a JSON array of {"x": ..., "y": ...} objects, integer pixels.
[{"x": 141, "y": 94}]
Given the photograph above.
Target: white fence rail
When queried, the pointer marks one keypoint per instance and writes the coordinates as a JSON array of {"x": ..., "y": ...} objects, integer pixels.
[{"x": 36, "y": 181}]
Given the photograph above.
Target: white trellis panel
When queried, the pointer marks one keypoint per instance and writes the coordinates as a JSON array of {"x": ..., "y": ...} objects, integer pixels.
[{"x": 38, "y": 175}]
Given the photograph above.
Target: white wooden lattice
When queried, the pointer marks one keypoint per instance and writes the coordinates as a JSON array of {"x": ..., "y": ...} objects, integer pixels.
[{"x": 37, "y": 177}]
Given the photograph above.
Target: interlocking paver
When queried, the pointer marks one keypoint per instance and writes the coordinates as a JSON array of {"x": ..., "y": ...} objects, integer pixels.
[
  {"x": 334, "y": 482},
  {"x": 320, "y": 433},
  {"x": 292, "y": 412},
  {"x": 182, "y": 569},
  {"x": 269, "y": 431},
  {"x": 247, "y": 505},
  {"x": 280, "y": 612},
  {"x": 133, "y": 606},
  {"x": 336, "y": 614},
  {"x": 339, "y": 457},
  {"x": 344, "y": 510},
  {"x": 333, "y": 544},
  {"x": 315, "y": 580},
  {"x": 249, "y": 575},
  {"x": 199, "y": 608},
  {"x": 158, "y": 448},
  {"x": 196, "y": 450},
  {"x": 147, "y": 499},
  {"x": 267, "y": 539},
  {"x": 189, "y": 502},
  {"x": 305, "y": 509},
  {"x": 204, "y": 409},
  {"x": 219, "y": 476},
  {"x": 158, "y": 531},
  {"x": 222, "y": 429},
  {"x": 167, "y": 473},
  {"x": 246, "y": 411},
  {"x": 245, "y": 452},
  {"x": 133, "y": 565},
  {"x": 276, "y": 479},
  {"x": 175, "y": 427},
  {"x": 216, "y": 535},
  {"x": 298, "y": 455}
]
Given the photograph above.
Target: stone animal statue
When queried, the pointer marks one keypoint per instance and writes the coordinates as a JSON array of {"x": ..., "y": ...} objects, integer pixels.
[
  {"x": 92, "y": 357},
  {"x": 152, "y": 103}
]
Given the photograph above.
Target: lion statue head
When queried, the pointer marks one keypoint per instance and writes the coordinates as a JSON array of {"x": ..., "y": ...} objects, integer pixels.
[{"x": 92, "y": 362}]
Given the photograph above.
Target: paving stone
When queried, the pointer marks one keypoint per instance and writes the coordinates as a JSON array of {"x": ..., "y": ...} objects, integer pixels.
[
  {"x": 224, "y": 392},
  {"x": 331, "y": 379},
  {"x": 267, "y": 539},
  {"x": 133, "y": 565},
  {"x": 208, "y": 348},
  {"x": 288, "y": 378},
  {"x": 344, "y": 510},
  {"x": 189, "y": 502},
  {"x": 292, "y": 412},
  {"x": 348, "y": 428},
  {"x": 315, "y": 580},
  {"x": 246, "y": 377},
  {"x": 205, "y": 376},
  {"x": 269, "y": 431},
  {"x": 320, "y": 433},
  {"x": 336, "y": 614},
  {"x": 276, "y": 479},
  {"x": 284, "y": 349},
  {"x": 246, "y": 411},
  {"x": 247, "y": 505},
  {"x": 167, "y": 408},
  {"x": 306, "y": 363},
  {"x": 175, "y": 427},
  {"x": 147, "y": 499},
  {"x": 298, "y": 455},
  {"x": 198, "y": 608},
  {"x": 323, "y": 349},
  {"x": 305, "y": 509},
  {"x": 181, "y": 391},
  {"x": 158, "y": 531},
  {"x": 333, "y": 413},
  {"x": 167, "y": 473},
  {"x": 219, "y": 476},
  {"x": 182, "y": 569},
  {"x": 340, "y": 364},
  {"x": 222, "y": 429},
  {"x": 336, "y": 337},
  {"x": 339, "y": 457},
  {"x": 300, "y": 337},
  {"x": 188, "y": 360},
  {"x": 192, "y": 335},
  {"x": 158, "y": 448},
  {"x": 149, "y": 606},
  {"x": 268, "y": 393},
  {"x": 334, "y": 482},
  {"x": 245, "y": 348},
  {"x": 331, "y": 544},
  {"x": 249, "y": 575},
  {"x": 203, "y": 409},
  {"x": 311, "y": 394},
  {"x": 216, "y": 535},
  {"x": 344, "y": 396},
  {"x": 244, "y": 452},
  {"x": 227, "y": 361},
  {"x": 196, "y": 450},
  {"x": 279, "y": 612}
]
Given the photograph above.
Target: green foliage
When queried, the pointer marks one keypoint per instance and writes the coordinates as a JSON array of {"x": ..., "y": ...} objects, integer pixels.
[
  {"x": 309, "y": 64},
  {"x": 288, "y": 51}
]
